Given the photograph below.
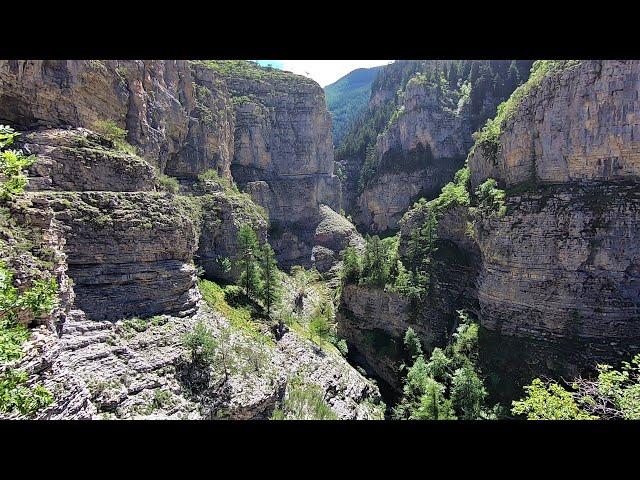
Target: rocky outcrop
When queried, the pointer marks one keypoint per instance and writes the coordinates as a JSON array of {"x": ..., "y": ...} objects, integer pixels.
[
  {"x": 560, "y": 268},
  {"x": 418, "y": 153},
  {"x": 223, "y": 212},
  {"x": 271, "y": 128},
  {"x": 137, "y": 370},
  {"x": 177, "y": 117},
  {"x": 579, "y": 124},
  {"x": 284, "y": 156},
  {"x": 382, "y": 203},
  {"x": 129, "y": 254},
  {"x": 80, "y": 160},
  {"x": 417, "y": 133},
  {"x": 121, "y": 242},
  {"x": 333, "y": 234}
]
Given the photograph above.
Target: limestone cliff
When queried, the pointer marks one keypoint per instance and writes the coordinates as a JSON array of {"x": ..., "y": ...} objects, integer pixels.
[
  {"x": 553, "y": 278},
  {"x": 123, "y": 241},
  {"x": 561, "y": 267},
  {"x": 284, "y": 154},
  {"x": 423, "y": 124},
  {"x": 270, "y": 129},
  {"x": 183, "y": 127}
]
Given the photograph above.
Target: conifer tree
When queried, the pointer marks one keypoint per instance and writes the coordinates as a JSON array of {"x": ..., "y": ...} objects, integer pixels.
[
  {"x": 270, "y": 278},
  {"x": 248, "y": 252}
]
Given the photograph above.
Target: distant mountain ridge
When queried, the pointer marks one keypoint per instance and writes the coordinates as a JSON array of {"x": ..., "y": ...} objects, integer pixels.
[{"x": 347, "y": 97}]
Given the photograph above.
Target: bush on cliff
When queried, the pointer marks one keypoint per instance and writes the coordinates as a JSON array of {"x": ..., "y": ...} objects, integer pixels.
[
  {"x": 115, "y": 134},
  {"x": 611, "y": 395},
  {"x": 12, "y": 165}
]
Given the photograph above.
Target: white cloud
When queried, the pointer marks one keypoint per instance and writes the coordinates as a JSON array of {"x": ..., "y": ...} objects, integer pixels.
[{"x": 326, "y": 72}]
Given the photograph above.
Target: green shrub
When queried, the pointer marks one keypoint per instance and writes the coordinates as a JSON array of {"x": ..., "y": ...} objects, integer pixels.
[
  {"x": 15, "y": 395},
  {"x": 137, "y": 324},
  {"x": 40, "y": 298},
  {"x": 201, "y": 344},
  {"x": 548, "y": 402},
  {"x": 168, "y": 184},
  {"x": 304, "y": 401},
  {"x": 491, "y": 199},
  {"x": 12, "y": 165},
  {"x": 238, "y": 314},
  {"x": 115, "y": 134},
  {"x": 614, "y": 394}
]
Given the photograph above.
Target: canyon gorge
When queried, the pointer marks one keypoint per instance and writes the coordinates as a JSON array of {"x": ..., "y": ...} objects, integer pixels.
[{"x": 504, "y": 196}]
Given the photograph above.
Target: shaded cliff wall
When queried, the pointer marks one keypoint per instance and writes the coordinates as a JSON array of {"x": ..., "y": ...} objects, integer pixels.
[{"x": 556, "y": 283}]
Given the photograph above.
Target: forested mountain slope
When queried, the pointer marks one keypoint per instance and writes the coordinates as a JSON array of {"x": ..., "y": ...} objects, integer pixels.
[{"x": 347, "y": 98}]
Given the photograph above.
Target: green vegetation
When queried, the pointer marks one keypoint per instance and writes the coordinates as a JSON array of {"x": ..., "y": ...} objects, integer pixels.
[
  {"x": 250, "y": 70},
  {"x": 347, "y": 98},
  {"x": 612, "y": 394},
  {"x": 304, "y": 401},
  {"x": 40, "y": 298},
  {"x": 201, "y": 344},
  {"x": 168, "y": 184},
  {"x": 381, "y": 267},
  {"x": 115, "y": 134},
  {"x": 269, "y": 278},
  {"x": 454, "y": 193},
  {"x": 453, "y": 83},
  {"x": 131, "y": 325},
  {"x": 491, "y": 198},
  {"x": 17, "y": 395},
  {"x": 12, "y": 165},
  {"x": 314, "y": 318},
  {"x": 448, "y": 385},
  {"x": 234, "y": 306},
  {"x": 247, "y": 261},
  {"x": 548, "y": 402}
]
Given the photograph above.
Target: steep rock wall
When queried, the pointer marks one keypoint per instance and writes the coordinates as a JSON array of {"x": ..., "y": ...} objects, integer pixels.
[
  {"x": 419, "y": 152},
  {"x": 581, "y": 124},
  {"x": 179, "y": 125}
]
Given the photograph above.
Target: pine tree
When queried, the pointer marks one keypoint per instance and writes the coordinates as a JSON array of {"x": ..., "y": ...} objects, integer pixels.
[
  {"x": 468, "y": 393},
  {"x": 412, "y": 345},
  {"x": 270, "y": 278},
  {"x": 351, "y": 265},
  {"x": 248, "y": 252}
]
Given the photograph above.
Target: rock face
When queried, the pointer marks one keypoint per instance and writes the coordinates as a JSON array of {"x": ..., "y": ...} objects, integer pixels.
[
  {"x": 79, "y": 160},
  {"x": 555, "y": 280},
  {"x": 129, "y": 254},
  {"x": 417, "y": 132},
  {"x": 104, "y": 370},
  {"x": 271, "y": 130},
  {"x": 419, "y": 153},
  {"x": 284, "y": 156},
  {"x": 333, "y": 234},
  {"x": 561, "y": 267},
  {"x": 578, "y": 125},
  {"x": 223, "y": 213},
  {"x": 382, "y": 203},
  {"x": 171, "y": 112}
]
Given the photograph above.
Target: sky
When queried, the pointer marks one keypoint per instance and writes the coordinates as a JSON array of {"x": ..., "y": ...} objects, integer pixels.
[{"x": 324, "y": 72}]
